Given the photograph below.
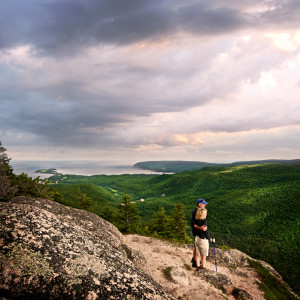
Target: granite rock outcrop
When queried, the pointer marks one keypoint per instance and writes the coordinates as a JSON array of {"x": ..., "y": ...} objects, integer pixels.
[{"x": 50, "y": 251}]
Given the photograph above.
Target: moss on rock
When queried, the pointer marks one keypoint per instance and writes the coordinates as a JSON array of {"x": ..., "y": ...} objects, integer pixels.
[{"x": 52, "y": 251}]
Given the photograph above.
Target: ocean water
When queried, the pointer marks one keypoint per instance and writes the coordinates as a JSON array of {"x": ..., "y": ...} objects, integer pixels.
[{"x": 78, "y": 168}]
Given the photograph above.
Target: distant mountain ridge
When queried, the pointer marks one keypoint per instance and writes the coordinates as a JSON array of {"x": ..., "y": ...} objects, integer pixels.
[{"x": 181, "y": 165}]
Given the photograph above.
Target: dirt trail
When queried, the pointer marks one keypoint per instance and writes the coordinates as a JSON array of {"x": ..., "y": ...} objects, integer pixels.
[{"x": 189, "y": 284}]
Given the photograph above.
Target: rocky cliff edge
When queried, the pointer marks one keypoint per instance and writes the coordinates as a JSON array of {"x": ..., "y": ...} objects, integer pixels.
[{"x": 50, "y": 251}]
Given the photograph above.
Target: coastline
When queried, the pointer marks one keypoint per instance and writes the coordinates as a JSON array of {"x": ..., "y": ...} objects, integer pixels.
[{"x": 85, "y": 168}]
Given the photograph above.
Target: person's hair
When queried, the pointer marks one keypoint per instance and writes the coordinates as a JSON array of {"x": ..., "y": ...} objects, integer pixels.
[{"x": 201, "y": 214}]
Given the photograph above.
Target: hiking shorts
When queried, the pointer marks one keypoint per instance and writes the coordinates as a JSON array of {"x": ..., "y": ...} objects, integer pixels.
[{"x": 202, "y": 246}]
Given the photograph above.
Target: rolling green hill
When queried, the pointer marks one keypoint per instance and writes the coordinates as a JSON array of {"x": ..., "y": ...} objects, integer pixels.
[
  {"x": 254, "y": 208},
  {"x": 103, "y": 201},
  {"x": 180, "y": 166}
]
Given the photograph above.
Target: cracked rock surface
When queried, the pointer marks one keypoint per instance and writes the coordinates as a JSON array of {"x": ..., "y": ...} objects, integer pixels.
[{"x": 50, "y": 251}]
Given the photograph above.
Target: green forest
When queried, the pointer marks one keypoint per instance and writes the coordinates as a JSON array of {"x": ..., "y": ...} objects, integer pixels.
[
  {"x": 175, "y": 166},
  {"x": 253, "y": 208}
]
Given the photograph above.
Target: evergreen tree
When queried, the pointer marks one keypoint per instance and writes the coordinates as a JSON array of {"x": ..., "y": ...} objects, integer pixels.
[
  {"x": 84, "y": 202},
  {"x": 7, "y": 188},
  {"x": 19, "y": 185},
  {"x": 4, "y": 160},
  {"x": 108, "y": 213},
  {"x": 32, "y": 187},
  {"x": 57, "y": 196},
  {"x": 179, "y": 222},
  {"x": 160, "y": 222},
  {"x": 129, "y": 215}
]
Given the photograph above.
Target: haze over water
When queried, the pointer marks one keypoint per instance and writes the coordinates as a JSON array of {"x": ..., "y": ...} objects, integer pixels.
[{"x": 78, "y": 167}]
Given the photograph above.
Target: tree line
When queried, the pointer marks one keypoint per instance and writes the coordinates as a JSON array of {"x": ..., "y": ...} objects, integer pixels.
[
  {"x": 127, "y": 218},
  {"x": 170, "y": 226}
]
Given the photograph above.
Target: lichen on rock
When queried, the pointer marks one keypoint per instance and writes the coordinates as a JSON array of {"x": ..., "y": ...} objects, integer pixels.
[
  {"x": 52, "y": 251},
  {"x": 229, "y": 257}
]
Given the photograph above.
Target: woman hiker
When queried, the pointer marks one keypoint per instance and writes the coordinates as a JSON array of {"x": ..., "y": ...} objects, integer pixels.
[{"x": 200, "y": 232}]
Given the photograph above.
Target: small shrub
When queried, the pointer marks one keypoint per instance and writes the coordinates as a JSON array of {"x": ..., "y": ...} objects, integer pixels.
[{"x": 167, "y": 274}]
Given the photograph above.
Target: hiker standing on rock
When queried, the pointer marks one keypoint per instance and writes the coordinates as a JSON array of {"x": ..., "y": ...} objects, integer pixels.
[{"x": 200, "y": 232}]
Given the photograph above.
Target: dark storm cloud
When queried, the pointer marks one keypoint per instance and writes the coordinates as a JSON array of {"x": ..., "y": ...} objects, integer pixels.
[
  {"x": 66, "y": 122},
  {"x": 81, "y": 118},
  {"x": 61, "y": 27},
  {"x": 60, "y": 95},
  {"x": 200, "y": 19},
  {"x": 285, "y": 14}
]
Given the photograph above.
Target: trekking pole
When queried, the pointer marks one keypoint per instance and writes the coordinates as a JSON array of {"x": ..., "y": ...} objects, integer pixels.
[{"x": 214, "y": 242}]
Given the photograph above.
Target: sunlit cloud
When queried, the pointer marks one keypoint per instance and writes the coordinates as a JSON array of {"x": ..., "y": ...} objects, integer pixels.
[
  {"x": 159, "y": 79},
  {"x": 150, "y": 147},
  {"x": 285, "y": 40},
  {"x": 193, "y": 139}
]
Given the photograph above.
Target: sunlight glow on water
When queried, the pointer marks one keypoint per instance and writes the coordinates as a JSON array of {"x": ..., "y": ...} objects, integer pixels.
[{"x": 78, "y": 168}]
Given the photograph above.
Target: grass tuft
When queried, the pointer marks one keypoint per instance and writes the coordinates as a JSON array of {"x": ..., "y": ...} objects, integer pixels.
[{"x": 167, "y": 274}]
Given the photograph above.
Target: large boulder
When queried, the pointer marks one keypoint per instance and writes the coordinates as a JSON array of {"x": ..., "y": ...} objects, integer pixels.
[
  {"x": 228, "y": 257},
  {"x": 219, "y": 280},
  {"x": 50, "y": 251}
]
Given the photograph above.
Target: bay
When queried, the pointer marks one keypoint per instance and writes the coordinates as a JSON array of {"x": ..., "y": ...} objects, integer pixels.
[{"x": 86, "y": 168}]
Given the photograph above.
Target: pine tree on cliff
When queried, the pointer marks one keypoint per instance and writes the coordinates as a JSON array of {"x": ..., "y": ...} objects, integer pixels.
[
  {"x": 129, "y": 215},
  {"x": 160, "y": 222},
  {"x": 179, "y": 222},
  {"x": 12, "y": 185},
  {"x": 7, "y": 188},
  {"x": 84, "y": 202},
  {"x": 4, "y": 161}
]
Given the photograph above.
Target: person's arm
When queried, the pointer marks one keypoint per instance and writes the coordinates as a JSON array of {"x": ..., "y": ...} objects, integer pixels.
[
  {"x": 206, "y": 231},
  {"x": 201, "y": 226},
  {"x": 193, "y": 220},
  {"x": 207, "y": 235}
]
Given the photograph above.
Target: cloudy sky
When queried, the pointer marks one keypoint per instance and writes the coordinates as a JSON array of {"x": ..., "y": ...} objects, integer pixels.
[{"x": 206, "y": 80}]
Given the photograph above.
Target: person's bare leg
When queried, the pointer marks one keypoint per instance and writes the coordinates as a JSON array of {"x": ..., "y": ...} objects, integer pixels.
[
  {"x": 197, "y": 258},
  {"x": 203, "y": 261},
  {"x": 194, "y": 253}
]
